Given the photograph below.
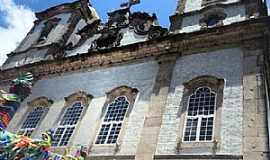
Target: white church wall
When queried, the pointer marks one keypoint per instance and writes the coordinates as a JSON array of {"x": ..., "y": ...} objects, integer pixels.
[
  {"x": 97, "y": 83},
  {"x": 31, "y": 56},
  {"x": 194, "y": 5},
  {"x": 234, "y": 14}
]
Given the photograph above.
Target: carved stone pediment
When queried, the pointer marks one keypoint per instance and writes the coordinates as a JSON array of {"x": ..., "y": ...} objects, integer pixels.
[{"x": 140, "y": 23}]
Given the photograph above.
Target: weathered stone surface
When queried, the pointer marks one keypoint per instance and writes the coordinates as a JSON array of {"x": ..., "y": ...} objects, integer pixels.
[{"x": 237, "y": 54}]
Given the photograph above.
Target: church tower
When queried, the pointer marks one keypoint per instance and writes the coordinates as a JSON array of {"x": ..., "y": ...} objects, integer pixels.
[
  {"x": 194, "y": 15},
  {"x": 52, "y": 30}
]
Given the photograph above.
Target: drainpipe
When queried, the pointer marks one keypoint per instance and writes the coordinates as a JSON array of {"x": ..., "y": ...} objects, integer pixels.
[{"x": 267, "y": 109}]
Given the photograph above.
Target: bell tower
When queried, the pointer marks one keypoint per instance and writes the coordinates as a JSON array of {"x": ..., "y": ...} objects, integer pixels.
[
  {"x": 54, "y": 29},
  {"x": 194, "y": 15}
]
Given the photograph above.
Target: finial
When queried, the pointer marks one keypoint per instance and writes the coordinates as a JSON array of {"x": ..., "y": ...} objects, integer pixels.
[{"x": 130, "y": 3}]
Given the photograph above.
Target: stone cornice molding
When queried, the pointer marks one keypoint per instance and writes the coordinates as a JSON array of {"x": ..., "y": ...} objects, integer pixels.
[
  {"x": 63, "y": 8},
  {"x": 182, "y": 44}
]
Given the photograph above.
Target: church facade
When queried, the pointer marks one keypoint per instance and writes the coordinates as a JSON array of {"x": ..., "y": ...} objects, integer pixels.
[{"x": 131, "y": 89}]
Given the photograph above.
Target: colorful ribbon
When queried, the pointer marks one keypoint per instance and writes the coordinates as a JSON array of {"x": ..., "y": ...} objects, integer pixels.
[{"x": 18, "y": 147}]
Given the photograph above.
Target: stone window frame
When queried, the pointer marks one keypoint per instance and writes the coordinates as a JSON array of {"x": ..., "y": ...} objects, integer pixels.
[
  {"x": 82, "y": 97},
  {"x": 43, "y": 102},
  {"x": 114, "y": 125},
  {"x": 217, "y": 86},
  {"x": 47, "y": 28},
  {"x": 211, "y": 12},
  {"x": 131, "y": 95},
  {"x": 200, "y": 117}
]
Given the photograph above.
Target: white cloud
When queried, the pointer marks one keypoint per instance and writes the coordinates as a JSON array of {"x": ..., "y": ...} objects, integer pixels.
[{"x": 19, "y": 20}]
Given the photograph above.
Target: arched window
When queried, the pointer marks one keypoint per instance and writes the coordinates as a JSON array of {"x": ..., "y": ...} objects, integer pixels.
[
  {"x": 200, "y": 115},
  {"x": 213, "y": 20},
  {"x": 75, "y": 107},
  {"x": 117, "y": 108},
  {"x": 40, "y": 107},
  {"x": 213, "y": 17},
  {"x": 113, "y": 121},
  {"x": 67, "y": 124}
]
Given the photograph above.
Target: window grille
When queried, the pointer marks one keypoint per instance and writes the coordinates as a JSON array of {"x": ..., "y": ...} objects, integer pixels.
[
  {"x": 67, "y": 124},
  {"x": 113, "y": 121},
  {"x": 32, "y": 120},
  {"x": 200, "y": 115}
]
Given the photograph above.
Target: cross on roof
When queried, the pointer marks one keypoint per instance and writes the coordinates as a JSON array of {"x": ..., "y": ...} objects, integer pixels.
[{"x": 130, "y": 3}]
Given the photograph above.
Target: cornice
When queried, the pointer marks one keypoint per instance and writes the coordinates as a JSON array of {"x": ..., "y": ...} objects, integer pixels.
[
  {"x": 182, "y": 44},
  {"x": 63, "y": 8}
]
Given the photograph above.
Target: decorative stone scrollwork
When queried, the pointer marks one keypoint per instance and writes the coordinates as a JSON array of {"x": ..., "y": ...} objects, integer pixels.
[
  {"x": 156, "y": 32},
  {"x": 141, "y": 22},
  {"x": 120, "y": 21},
  {"x": 79, "y": 96},
  {"x": 40, "y": 101},
  {"x": 119, "y": 18},
  {"x": 109, "y": 38}
]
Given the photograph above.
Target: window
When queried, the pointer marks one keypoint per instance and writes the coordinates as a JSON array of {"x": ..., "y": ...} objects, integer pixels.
[
  {"x": 68, "y": 124},
  {"x": 115, "y": 113},
  {"x": 213, "y": 17},
  {"x": 200, "y": 115},
  {"x": 113, "y": 121},
  {"x": 40, "y": 107},
  {"x": 32, "y": 121},
  {"x": 213, "y": 20},
  {"x": 48, "y": 27}
]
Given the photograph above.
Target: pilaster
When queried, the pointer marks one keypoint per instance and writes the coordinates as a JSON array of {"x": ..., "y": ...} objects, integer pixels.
[{"x": 152, "y": 124}]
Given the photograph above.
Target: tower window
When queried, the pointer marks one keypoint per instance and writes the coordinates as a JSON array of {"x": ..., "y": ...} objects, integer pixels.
[
  {"x": 213, "y": 20},
  {"x": 32, "y": 120},
  {"x": 48, "y": 27},
  {"x": 213, "y": 17},
  {"x": 67, "y": 124},
  {"x": 113, "y": 121},
  {"x": 200, "y": 117}
]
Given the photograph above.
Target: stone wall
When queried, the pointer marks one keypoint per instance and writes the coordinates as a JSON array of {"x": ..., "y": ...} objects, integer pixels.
[
  {"x": 224, "y": 64},
  {"x": 235, "y": 13},
  {"x": 195, "y": 5},
  {"x": 152, "y": 128},
  {"x": 255, "y": 132},
  {"x": 97, "y": 83}
]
